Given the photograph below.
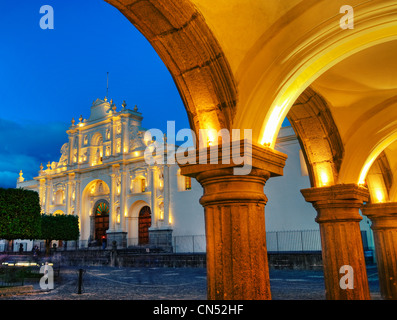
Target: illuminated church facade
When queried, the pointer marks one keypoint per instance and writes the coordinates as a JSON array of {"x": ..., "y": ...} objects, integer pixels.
[{"x": 103, "y": 178}]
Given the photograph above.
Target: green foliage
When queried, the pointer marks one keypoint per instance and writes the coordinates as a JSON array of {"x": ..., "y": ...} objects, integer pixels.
[
  {"x": 19, "y": 214},
  {"x": 59, "y": 227}
]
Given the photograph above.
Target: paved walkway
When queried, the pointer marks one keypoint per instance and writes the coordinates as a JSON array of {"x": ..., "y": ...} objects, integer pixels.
[{"x": 107, "y": 283}]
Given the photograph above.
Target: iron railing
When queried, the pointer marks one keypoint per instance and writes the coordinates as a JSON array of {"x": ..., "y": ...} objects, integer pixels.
[
  {"x": 276, "y": 241},
  {"x": 293, "y": 241}
]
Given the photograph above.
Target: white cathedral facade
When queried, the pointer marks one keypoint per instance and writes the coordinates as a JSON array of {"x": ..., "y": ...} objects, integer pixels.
[{"x": 103, "y": 178}]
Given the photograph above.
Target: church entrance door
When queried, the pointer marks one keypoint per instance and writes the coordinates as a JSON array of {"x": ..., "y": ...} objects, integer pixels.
[
  {"x": 101, "y": 221},
  {"x": 145, "y": 221}
]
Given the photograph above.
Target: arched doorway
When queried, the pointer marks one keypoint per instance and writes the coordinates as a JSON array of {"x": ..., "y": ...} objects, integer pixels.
[
  {"x": 101, "y": 221},
  {"x": 144, "y": 222}
]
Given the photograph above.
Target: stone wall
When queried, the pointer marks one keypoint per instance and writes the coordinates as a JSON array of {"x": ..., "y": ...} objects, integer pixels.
[{"x": 127, "y": 258}]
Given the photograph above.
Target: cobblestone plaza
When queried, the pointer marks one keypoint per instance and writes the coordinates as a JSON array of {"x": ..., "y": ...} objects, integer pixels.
[{"x": 112, "y": 283}]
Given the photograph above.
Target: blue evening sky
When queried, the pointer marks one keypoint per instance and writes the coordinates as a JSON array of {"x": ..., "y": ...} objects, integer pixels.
[{"x": 48, "y": 77}]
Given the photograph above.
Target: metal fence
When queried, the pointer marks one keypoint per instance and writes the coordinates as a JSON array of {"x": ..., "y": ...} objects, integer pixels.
[
  {"x": 180, "y": 244},
  {"x": 276, "y": 241},
  {"x": 195, "y": 244},
  {"x": 299, "y": 240}
]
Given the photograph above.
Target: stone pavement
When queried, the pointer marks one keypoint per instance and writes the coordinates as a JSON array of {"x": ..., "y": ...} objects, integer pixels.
[{"x": 112, "y": 283}]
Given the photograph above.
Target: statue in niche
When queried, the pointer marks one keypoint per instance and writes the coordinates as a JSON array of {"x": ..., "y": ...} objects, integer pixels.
[
  {"x": 108, "y": 134},
  {"x": 97, "y": 156},
  {"x": 85, "y": 155},
  {"x": 85, "y": 139},
  {"x": 100, "y": 187},
  {"x": 118, "y": 146}
]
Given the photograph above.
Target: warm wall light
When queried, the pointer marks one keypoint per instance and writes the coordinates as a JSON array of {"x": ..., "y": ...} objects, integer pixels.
[
  {"x": 379, "y": 195},
  {"x": 118, "y": 218},
  {"x": 324, "y": 178}
]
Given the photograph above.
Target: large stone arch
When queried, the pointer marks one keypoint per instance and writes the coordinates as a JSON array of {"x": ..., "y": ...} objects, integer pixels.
[
  {"x": 318, "y": 136},
  {"x": 182, "y": 39}
]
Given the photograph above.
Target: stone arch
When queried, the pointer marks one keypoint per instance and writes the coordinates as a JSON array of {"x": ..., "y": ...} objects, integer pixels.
[
  {"x": 92, "y": 192},
  {"x": 373, "y": 136},
  {"x": 318, "y": 136},
  {"x": 379, "y": 180},
  {"x": 181, "y": 37},
  {"x": 97, "y": 139}
]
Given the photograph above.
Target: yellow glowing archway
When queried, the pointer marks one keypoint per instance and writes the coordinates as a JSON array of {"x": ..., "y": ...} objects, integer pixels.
[
  {"x": 271, "y": 95},
  {"x": 312, "y": 71}
]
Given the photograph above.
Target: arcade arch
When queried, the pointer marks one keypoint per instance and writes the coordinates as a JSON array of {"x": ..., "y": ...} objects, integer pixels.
[{"x": 250, "y": 74}]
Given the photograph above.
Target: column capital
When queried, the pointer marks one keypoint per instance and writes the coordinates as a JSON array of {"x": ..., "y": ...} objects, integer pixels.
[
  {"x": 336, "y": 192},
  {"x": 382, "y": 215},
  {"x": 338, "y": 202},
  {"x": 258, "y": 157}
]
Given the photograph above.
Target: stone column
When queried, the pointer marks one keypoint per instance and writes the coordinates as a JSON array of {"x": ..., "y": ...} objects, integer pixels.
[
  {"x": 113, "y": 136},
  {"x": 237, "y": 264},
  {"x": 124, "y": 136},
  {"x": 384, "y": 225},
  {"x": 338, "y": 215},
  {"x": 49, "y": 195},
  {"x": 68, "y": 192},
  {"x": 153, "y": 195},
  {"x": 167, "y": 194},
  {"x": 112, "y": 196},
  {"x": 123, "y": 197}
]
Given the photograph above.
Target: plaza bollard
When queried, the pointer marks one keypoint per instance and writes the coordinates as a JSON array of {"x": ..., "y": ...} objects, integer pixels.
[{"x": 80, "y": 281}]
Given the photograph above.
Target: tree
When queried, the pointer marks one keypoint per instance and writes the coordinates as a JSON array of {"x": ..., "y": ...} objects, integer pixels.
[
  {"x": 59, "y": 227},
  {"x": 19, "y": 214}
]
